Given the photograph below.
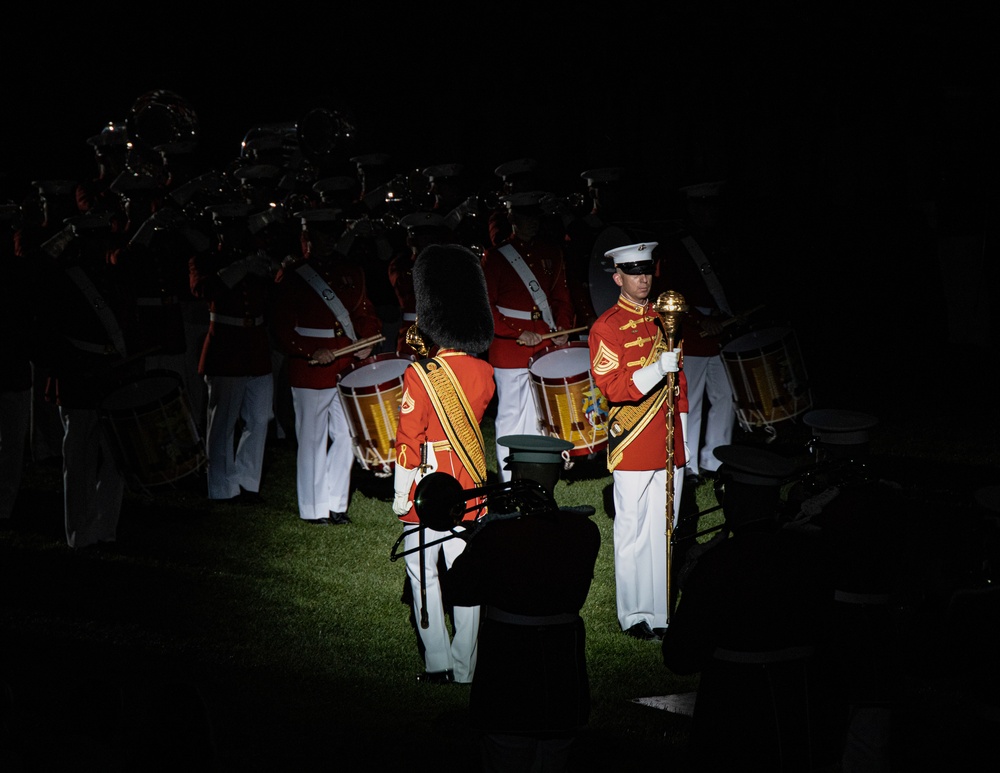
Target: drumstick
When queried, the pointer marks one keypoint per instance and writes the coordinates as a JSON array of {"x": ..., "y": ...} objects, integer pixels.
[
  {"x": 733, "y": 320},
  {"x": 558, "y": 333},
  {"x": 355, "y": 347}
]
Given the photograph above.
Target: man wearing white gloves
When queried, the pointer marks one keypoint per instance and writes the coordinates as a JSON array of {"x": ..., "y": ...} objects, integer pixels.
[
  {"x": 629, "y": 362},
  {"x": 444, "y": 399}
]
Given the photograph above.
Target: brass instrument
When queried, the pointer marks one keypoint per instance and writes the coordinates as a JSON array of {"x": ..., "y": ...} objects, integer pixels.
[
  {"x": 441, "y": 504},
  {"x": 415, "y": 340},
  {"x": 158, "y": 119},
  {"x": 669, "y": 307},
  {"x": 323, "y": 133}
]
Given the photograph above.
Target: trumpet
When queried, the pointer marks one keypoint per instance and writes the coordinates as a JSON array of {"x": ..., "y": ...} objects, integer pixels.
[{"x": 441, "y": 504}]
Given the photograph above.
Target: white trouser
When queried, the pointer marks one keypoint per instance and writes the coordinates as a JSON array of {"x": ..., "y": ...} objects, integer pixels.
[
  {"x": 15, "y": 416},
  {"x": 324, "y": 456},
  {"x": 706, "y": 378},
  {"x": 230, "y": 399},
  {"x": 441, "y": 654},
  {"x": 46, "y": 427},
  {"x": 516, "y": 412},
  {"x": 196, "y": 324},
  {"x": 640, "y": 537},
  {"x": 93, "y": 484}
]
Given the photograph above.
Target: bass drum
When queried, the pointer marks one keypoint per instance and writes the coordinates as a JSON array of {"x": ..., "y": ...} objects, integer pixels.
[
  {"x": 371, "y": 391},
  {"x": 768, "y": 377},
  {"x": 569, "y": 405},
  {"x": 151, "y": 429}
]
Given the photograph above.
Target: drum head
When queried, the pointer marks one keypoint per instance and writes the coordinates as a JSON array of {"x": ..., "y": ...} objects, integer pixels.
[
  {"x": 374, "y": 372},
  {"x": 603, "y": 290},
  {"x": 756, "y": 340},
  {"x": 560, "y": 362}
]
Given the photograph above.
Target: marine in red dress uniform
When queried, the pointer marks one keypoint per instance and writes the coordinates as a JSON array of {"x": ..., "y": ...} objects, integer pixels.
[
  {"x": 629, "y": 363},
  {"x": 444, "y": 400},
  {"x": 309, "y": 332},
  {"x": 519, "y": 321},
  {"x": 236, "y": 281}
]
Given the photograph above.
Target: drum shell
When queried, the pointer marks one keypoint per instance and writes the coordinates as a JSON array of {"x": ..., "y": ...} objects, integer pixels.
[
  {"x": 151, "y": 429},
  {"x": 371, "y": 391},
  {"x": 568, "y": 403},
  {"x": 768, "y": 376}
]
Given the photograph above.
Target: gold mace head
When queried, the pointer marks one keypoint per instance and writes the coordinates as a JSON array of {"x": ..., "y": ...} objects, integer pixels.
[{"x": 669, "y": 306}]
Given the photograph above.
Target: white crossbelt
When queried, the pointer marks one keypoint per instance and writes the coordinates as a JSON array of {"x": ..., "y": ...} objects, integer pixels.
[
  {"x": 707, "y": 273},
  {"x": 100, "y": 307},
  {"x": 329, "y": 297},
  {"x": 537, "y": 293}
]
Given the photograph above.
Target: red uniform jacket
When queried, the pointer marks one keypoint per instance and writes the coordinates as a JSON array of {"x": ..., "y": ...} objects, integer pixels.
[
  {"x": 419, "y": 423},
  {"x": 507, "y": 291},
  {"x": 240, "y": 345},
  {"x": 621, "y": 341},
  {"x": 300, "y": 313}
]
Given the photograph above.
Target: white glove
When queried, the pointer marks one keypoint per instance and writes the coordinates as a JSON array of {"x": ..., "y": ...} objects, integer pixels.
[
  {"x": 402, "y": 483},
  {"x": 649, "y": 376}
]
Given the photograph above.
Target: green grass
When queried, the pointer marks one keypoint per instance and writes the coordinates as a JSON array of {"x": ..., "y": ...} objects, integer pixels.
[{"x": 293, "y": 637}]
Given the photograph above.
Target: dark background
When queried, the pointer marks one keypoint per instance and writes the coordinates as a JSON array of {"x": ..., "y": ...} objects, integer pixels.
[{"x": 859, "y": 143}]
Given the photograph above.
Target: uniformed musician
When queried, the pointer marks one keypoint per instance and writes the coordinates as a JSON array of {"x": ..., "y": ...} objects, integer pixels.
[
  {"x": 526, "y": 280},
  {"x": 630, "y": 363}
]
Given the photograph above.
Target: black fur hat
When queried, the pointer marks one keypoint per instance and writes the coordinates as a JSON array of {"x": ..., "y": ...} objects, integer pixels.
[{"x": 453, "y": 309}]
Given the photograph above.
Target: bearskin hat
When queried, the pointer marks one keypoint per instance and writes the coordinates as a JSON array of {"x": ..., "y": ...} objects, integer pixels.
[{"x": 453, "y": 309}]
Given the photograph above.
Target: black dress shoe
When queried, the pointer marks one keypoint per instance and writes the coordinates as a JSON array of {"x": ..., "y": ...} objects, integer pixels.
[
  {"x": 693, "y": 480},
  {"x": 338, "y": 519},
  {"x": 436, "y": 677},
  {"x": 250, "y": 498},
  {"x": 641, "y": 631},
  {"x": 317, "y": 521},
  {"x": 659, "y": 633}
]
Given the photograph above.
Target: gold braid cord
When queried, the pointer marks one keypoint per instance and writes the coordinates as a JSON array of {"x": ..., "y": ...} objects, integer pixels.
[
  {"x": 456, "y": 415},
  {"x": 625, "y": 422}
]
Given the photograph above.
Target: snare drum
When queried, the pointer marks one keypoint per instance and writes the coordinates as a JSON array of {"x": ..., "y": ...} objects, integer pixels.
[
  {"x": 371, "y": 391},
  {"x": 569, "y": 405},
  {"x": 768, "y": 377},
  {"x": 152, "y": 430}
]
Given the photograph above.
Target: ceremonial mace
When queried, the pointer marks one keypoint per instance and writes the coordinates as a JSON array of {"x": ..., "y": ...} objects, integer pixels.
[{"x": 669, "y": 307}]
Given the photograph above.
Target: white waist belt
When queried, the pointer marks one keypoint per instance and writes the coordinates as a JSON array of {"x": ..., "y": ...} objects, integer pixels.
[
  {"x": 316, "y": 332},
  {"x": 514, "y": 313},
  {"x": 759, "y": 657},
  {"x": 409, "y": 316},
  {"x": 92, "y": 348},
  {"x": 237, "y": 321}
]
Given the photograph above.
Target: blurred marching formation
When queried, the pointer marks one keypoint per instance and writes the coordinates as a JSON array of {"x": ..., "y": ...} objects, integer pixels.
[{"x": 214, "y": 284}]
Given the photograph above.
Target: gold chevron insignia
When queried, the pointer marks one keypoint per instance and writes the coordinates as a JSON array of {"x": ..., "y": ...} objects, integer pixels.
[
  {"x": 406, "y": 403},
  {"x": 605, "y": 360}
]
